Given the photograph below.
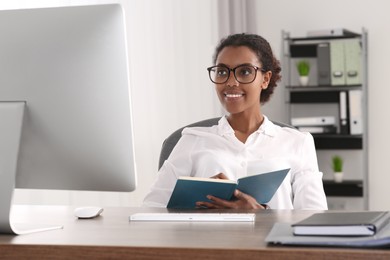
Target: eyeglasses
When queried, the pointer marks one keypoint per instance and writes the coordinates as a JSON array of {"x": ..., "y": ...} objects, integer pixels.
[{"x": 244, "y": 74}]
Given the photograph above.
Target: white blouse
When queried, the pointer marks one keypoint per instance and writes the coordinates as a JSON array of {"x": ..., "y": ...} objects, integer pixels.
[{"x": 207, "y": 151}]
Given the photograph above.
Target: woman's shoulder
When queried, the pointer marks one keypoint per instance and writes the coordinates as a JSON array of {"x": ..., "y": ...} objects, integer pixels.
[
  {"x": 220, "y": 128},
  {"x": 287, "y": 129},
  {"x": 200, "y": 130}
]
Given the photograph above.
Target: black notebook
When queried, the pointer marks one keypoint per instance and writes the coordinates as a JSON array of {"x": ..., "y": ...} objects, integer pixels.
[{"x": 365, "y": 223}]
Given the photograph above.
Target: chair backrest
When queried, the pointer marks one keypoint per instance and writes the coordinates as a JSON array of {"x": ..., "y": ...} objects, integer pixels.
[{"x": 172, "y": 140}]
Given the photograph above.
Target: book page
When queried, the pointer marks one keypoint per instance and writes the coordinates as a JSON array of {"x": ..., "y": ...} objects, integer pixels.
[{"x": 206, "y": 179}]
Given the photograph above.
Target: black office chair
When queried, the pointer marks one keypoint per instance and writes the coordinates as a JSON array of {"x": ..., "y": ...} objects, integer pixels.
[{"x": 172, "y": 140}]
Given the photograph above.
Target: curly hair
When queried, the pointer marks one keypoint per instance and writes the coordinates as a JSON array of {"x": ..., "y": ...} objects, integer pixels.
[{"x": 264, "y": 53}]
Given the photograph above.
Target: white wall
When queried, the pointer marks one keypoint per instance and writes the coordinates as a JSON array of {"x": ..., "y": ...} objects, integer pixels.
[
  {"x": 171, "y": 45},
  {"x": 165, "y": 35},
  {"x": 298, "y": 17}
]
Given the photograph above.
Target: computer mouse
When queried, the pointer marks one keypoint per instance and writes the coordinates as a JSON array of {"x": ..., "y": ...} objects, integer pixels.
[{"x": 88, "y": 212}]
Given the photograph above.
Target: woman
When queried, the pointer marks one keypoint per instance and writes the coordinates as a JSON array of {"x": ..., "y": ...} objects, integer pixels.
[{"x": 245, "y": 141}]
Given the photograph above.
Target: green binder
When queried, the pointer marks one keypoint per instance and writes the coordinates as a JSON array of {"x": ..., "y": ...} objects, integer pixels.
[
  {"x": 353, "y": 61},
  {"x": 337, "y": 62}
]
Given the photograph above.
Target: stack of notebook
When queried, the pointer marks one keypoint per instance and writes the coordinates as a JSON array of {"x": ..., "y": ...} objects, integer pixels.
[{"x": 342, "y": 229}]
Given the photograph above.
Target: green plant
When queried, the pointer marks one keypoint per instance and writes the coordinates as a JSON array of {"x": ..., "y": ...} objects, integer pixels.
[
  {"x": 337, "y": 163},
  {"x": 303, "y": 67}
]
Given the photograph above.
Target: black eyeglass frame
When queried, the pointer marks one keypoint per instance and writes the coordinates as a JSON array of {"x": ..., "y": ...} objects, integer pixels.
[{"x": 234, "y": 72}]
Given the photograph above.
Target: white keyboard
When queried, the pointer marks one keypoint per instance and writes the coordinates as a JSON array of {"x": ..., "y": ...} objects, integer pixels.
[{"x": 196, "y": 217}]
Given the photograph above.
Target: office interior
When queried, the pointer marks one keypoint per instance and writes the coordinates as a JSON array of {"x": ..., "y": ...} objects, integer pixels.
[{"x": 171, "y": 43}]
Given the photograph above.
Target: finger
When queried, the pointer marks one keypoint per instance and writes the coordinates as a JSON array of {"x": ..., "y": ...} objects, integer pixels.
[
  {"x": 240, "y": 195},
  {"x": 220, "y": 202},
  {"x": 220, "y": 176},
  {"x": 200, "y": 205},
  {"x": 204, "y": 204},
  {"x": 247, "y": 199}
]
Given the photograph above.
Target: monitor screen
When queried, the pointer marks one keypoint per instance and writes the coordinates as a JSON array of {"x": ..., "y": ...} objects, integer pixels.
[{"x": 66, "y": 69}]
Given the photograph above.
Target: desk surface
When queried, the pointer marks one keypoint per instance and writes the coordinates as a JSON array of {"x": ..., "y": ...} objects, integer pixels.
[{"x": 112, "y": 236}]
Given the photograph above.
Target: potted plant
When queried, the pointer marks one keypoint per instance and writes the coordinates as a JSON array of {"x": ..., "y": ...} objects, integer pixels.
[
  {"x": 303, "y": 68},
  {"x": 337, "y": 165}
]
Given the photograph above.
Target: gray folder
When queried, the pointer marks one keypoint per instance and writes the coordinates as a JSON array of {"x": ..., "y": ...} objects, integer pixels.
[{"x": 323, "y": 61}]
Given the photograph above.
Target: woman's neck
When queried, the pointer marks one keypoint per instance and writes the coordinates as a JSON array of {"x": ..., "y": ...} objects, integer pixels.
[{"x": 244, "y": 126}]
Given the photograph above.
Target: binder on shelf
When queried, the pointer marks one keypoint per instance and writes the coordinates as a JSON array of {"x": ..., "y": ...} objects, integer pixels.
[
  {"x": 323, "y": 64},
  {"x": 353, "y": 61},
  {"x": 337, "y": 63},
  {"x": 313, "y": 121},
  {"x": 343, "y": 107},
  {"x": 325, "y": 129},
  {"x": 355, "y": 111}
]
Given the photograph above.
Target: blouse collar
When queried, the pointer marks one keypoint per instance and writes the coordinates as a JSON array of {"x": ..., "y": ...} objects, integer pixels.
[{"x": 267, "y": 127}]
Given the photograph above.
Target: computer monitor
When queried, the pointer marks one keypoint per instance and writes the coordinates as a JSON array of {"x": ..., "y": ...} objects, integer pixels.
[{"x": 65, "y": 110}]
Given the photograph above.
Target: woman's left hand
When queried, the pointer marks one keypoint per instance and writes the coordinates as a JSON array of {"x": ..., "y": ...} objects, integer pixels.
[{"x": 242, "y": 201}]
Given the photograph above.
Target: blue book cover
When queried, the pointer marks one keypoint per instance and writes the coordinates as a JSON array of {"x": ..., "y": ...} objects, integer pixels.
[{"x": 189, "y": 190}]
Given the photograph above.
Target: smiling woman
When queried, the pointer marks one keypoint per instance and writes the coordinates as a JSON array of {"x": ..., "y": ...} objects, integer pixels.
[{"x": 245, "y": 142}]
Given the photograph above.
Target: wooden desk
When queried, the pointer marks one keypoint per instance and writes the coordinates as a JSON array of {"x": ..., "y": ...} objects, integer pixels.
[{"x": 113, "y": 236}]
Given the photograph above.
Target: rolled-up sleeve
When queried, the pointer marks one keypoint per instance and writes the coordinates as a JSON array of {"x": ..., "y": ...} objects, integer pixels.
[{"x": 308, "y": 190}]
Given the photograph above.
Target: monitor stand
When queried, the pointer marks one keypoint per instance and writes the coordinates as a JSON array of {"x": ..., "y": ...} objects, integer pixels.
[{"x": 11, "y": 121}]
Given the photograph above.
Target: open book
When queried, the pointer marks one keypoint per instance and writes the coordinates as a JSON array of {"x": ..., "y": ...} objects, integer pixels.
[{"x": 189, "y": 190}]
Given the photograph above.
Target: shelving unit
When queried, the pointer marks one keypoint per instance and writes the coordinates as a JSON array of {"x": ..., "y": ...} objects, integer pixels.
[{"x": 319, "y": 100}]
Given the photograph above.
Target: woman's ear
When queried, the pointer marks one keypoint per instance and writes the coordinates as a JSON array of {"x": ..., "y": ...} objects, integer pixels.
[{"x": 266, "y": 78}]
